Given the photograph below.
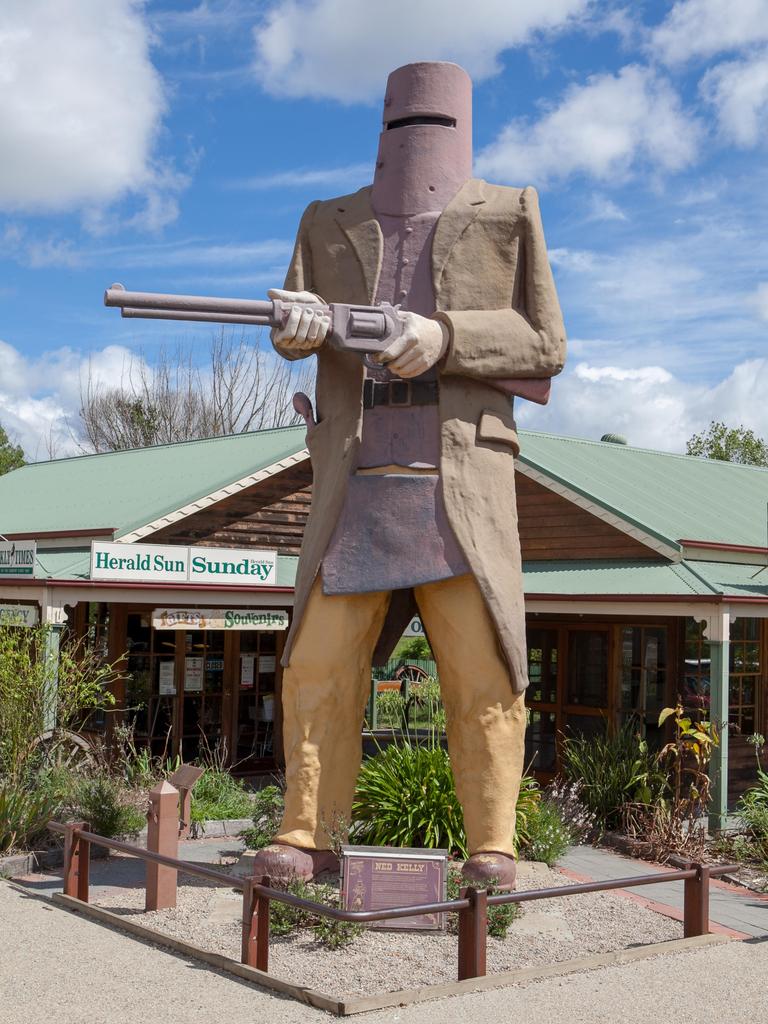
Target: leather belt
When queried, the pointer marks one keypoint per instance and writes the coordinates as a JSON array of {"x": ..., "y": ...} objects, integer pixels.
[{"x": 402, "y": 393}]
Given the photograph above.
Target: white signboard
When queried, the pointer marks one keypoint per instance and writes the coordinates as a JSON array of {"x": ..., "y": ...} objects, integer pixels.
[
  {"x": 193, "y": 675},
  {"x": 167, "y": 681},
  {"x": 18, "y": 615},
  {"x": 220, "y": 618},
  {"x": 162, "y": 563},
  {"x": 17, "y": 557},
  {"x": 414, "y": 628}
]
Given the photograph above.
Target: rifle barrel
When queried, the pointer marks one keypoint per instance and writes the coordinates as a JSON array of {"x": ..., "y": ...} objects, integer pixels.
[
  {"x": 118, "y": 296},
  {"x": 203, "y": 317}
]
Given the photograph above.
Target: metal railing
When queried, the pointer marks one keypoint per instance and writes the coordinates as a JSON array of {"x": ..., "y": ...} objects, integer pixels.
[{"x": 472, "y": 907}]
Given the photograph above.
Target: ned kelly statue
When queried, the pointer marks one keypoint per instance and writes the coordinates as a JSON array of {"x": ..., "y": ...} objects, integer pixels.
[{"x": 443, "y": 281}]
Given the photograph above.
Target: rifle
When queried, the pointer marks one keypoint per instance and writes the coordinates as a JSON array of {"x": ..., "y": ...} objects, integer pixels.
[{"x": 366, "y": 330}]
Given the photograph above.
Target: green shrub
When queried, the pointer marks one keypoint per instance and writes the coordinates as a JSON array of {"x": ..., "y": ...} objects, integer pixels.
[
  {"x": 24, "y": 814},
  {"x": 267, "y": 809},
  {"x": 614, "y": 769},
  {"x": 287, "y": 920},
  {"x": 218, "y": 795},
  {"x": 499, "y": 917},
  {"x": 528, "y": 801},
  {"x": 107, "y": 805},
  {"x": 418, "y": 649},
  {"x": 547, "y": 836},
  {"x": 406, "y": 797}
]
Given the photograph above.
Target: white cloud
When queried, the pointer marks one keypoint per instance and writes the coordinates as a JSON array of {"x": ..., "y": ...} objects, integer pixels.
[
  {"x": 739, "y": 92},
  {"x": 608, "y": 128},
  {"x": 650, "y": 406},
  {"x": 603, "y": 208},
  {"x": 81, "y": 106},
  {"x": 344, "y": 49},
  {"x": 702, "y": 28},
  {"x": 352, "y": 174},
  {"x": 761, "y": 300},
  {"x": 40, "y": 397}
]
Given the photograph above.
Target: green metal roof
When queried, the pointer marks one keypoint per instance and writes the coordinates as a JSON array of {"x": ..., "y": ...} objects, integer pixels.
[
  {"x": 673, "y": 497},
  {"x": 610, "y": 578},
  {"x": 126, "y": 490}
]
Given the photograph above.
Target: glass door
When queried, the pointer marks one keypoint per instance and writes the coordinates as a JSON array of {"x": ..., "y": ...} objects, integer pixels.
[
  {"x": 254, "y": 729},
  {"x": 586, "y": 681},
  {"x": 643, "y": 678},
  {"x": 201, "y": 687},
  {"x": 541, "y": 698},
  {"x": 150, "y": 692}
]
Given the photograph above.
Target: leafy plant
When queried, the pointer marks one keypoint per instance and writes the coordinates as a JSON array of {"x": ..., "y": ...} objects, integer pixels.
[
  {"x": 24, "y": 814},
  {"x": 580, "y": 821},
  {"x": 406, "y": 797},
  {"x": 547, "y": 835},
  {"x": 673, "y": 823},
  {"x": 267, "y": 809},
  {"x": 418, "y": 648},
  {"x": 30, "y": 696},
  {"x": 287, "y": 920},
  {"x": 499, "y": 917},
  {"x": 219, "y": 795},
  {"x": 613, "y": 769},
  {"x": 526, "y": 809},
  {"x": 107, "y": 805}
]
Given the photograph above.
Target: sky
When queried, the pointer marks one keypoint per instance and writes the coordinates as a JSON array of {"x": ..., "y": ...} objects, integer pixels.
[{"x": 172, "y": 146}]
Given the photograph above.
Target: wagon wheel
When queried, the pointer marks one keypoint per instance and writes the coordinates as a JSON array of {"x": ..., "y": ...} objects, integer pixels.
[
  {"x": 410, "y": 673},
  {"x": 64, "y": 749}
]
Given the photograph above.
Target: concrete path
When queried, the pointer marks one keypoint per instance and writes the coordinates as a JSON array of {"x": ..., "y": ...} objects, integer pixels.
[
  {"x": 57, "y": 966},
  {"x": 729, "y": 906}
]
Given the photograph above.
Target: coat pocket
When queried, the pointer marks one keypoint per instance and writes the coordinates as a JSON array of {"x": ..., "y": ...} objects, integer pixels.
[{"x": 494, "y": 426}]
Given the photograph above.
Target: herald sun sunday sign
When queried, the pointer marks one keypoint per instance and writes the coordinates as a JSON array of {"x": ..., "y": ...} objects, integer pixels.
[{"x": 160, "y": 563}]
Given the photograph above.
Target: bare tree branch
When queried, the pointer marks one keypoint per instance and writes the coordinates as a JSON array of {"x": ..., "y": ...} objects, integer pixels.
[{"x": 244, "y": 386}]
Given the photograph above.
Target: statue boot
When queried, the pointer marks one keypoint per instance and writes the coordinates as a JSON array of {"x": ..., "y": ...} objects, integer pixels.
[
  {"x": 490, "y": 870},
  {"x": 284, "y": 863}
]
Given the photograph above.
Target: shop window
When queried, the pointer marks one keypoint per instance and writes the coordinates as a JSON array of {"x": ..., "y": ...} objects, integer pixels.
[
  {"x": 150, "y": 689},
  {"x": 541, "y": 741},
  {"x": 256, "y": 700},
  {"x": 643, "y": 680},
  {"x": 542, "y": 666},
  {"x": 744, "y": 675},
  {"x": 588, "y": 668},
  {"x": 696, "y": 669}
]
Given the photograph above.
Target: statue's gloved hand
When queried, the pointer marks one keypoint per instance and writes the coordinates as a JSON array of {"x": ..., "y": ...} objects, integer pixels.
[
  {"x": 305, "y": 329},
  {"x": 423, "y": 343}
]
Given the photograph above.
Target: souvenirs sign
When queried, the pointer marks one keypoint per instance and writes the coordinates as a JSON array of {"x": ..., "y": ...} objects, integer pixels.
[
  {"x": 380, "y": 877},
  {"x": 220, "y": 618},
  {"x": 17, "y": 557},
  {"x": 170, "y": 563}
]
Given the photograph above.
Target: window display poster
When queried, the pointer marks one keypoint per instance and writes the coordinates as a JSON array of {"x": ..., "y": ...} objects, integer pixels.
[
  {"x": 246, "y": 669},
  {"x": 193, "y": 675},
  {"x": 267, "y": 663},
  {"x": 167, "y": 680}
]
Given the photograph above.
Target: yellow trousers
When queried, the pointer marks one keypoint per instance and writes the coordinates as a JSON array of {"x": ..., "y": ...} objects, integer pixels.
[{"x": 327, "y": 685}]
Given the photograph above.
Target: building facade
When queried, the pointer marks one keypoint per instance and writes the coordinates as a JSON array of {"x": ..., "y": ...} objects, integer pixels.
[{"x": 646, "y": 578}]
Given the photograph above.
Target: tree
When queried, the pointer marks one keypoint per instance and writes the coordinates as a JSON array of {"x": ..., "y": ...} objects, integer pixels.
[
  {"x": 242, "y": 387},
  {"x": 11, "y": 455},
  {"x": 729, "y": 444}
]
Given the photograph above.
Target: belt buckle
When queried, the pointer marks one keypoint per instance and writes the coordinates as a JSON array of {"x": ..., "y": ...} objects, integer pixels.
[{"x": 400, "y": 393}]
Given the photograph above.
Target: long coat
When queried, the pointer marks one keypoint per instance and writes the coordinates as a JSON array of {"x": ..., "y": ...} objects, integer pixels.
[{"x": 494, "y": 290}]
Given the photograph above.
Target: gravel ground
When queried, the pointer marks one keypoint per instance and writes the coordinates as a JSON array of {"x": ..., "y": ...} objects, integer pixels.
[{"x": 547, "y": 931}]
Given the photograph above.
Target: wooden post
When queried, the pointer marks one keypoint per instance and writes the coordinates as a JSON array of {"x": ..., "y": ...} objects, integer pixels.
[
  {"x": 255, "y": 946},
  {"x": 77, "y": 860},
  {"x": 696, "y": 903},
  {"x": 473, "y": 929},
  {"x": 162, "y": 837}
]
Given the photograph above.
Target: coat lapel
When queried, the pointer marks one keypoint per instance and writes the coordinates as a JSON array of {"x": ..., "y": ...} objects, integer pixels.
[
  {"x": 453, "y": 222},
  {"x": 357, "y": 221}
]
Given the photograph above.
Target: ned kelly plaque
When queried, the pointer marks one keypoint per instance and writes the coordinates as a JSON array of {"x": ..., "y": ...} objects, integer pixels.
[{"x": 381, "y": 877}]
